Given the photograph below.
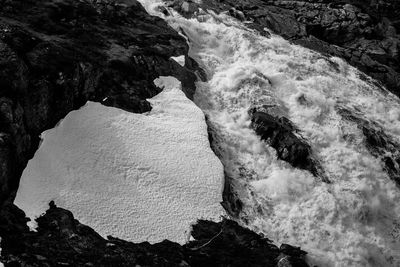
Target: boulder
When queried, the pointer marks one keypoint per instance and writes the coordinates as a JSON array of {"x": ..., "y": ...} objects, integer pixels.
[{"x": 283, "y": 136}]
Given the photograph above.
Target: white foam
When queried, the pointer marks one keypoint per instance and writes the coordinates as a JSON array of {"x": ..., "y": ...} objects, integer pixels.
[
  {"x": 141, "y": 177},
  {"x": 352, "y": 222}
]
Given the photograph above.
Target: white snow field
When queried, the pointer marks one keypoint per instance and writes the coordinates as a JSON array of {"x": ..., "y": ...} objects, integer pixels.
[
  {"x": 141, "y": 177},
  {"x": 355, "y": 220}
]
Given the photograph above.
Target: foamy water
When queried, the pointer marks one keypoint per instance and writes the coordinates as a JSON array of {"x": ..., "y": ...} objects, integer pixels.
[{"x": 354, "y": 221}]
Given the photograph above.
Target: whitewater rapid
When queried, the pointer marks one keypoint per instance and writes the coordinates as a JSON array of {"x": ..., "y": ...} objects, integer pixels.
[{"x": 354, "y": 221}]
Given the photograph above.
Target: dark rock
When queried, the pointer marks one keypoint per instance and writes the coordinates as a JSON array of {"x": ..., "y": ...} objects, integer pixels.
[
  {"x": 231, "y": 201},
  {"x": 56, "y": 55},
  {"x": 228, "y": 244},
  {"x": 237, "y": 14},
  {"x": 282, "y": 135},
  {"x": 379, "y": 144},
  {"x": 185, "y": 7},
  {"x": 291, "y": 256},
  {"x": 61, "y": 240}
]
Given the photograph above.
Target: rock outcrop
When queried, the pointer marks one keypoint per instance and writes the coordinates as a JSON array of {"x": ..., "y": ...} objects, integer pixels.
[
  {"x": 282, "y": 135},
  {"x": 56, "y": 55},
  {"x": 61, "y": 240},
  {"x": 378, "y": 143},
  {"x": 365, "y": 33}
]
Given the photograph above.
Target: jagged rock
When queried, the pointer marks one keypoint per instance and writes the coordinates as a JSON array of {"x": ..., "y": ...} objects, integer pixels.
[
  {"x": 185, "y": 7},
  {"x": 56, "y": 55},
  {"x": 380, "y": 145},
  {"x": 228, "y": 244},
  {"x": 237, "y": 14},
  {"x": 231, "y": 201},
  {"x": 282, "y": 135},
  {"x": 62, "y": 240}
]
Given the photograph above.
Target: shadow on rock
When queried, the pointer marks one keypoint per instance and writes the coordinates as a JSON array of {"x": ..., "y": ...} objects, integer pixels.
[{"x": 61, "y": 240}]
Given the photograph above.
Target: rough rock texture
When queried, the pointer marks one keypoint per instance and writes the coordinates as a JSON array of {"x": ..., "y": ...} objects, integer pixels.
[
  {"x": 381, "y": 145},
  {"x": 228, "y": 244},
  {"x": 366, "y": 33},
  {"x": 282, "y": 135},
  {"x": 56, "y": 55},
  {"x": 63, "y": 241},
  {"x": 230, "y": 200}
]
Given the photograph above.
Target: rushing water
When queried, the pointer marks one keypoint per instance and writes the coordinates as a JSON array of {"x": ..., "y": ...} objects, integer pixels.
[{"x": 354, "y": 221}]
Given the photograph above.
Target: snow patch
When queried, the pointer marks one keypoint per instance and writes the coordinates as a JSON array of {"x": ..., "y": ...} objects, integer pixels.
[
  {"x": 141, "y": 177},
  {"x": 180, "y": 60}
]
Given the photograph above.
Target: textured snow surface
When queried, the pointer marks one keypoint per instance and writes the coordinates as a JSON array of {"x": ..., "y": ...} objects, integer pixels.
[
  {"x": 355, "y": 220},
  {"x": 141, "y": 177}
]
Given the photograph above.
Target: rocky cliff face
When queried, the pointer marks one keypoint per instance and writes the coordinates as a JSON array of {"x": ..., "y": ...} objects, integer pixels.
[
  {"x": 56, "y": 55},
  {"x": 61, "y": 240}
]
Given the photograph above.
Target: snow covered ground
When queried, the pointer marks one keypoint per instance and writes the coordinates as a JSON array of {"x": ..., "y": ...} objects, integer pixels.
[{"x": 141, "y": 177}]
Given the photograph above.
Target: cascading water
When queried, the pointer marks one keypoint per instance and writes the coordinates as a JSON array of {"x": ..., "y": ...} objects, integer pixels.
[{"x": 354, "y": 220}]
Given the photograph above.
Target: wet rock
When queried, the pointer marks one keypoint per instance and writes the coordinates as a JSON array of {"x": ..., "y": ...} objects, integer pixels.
[
  {"x": 231, "y": 201},
  {"x": 185, "y": 7},
  {"x": 56, "y": 55},
  {"x": 237, "y": 14},
  {"x": 61, "y": 240},
  {"x": 380, "y": 145},
  {"x": 282, "y": 135}
]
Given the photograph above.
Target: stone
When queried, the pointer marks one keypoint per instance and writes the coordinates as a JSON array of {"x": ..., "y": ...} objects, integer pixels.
[
  {"x": 60, "y": 239},
  {"x": 282, "y": 135}
]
